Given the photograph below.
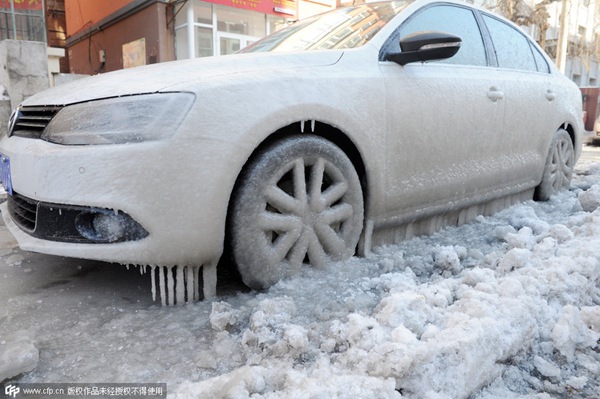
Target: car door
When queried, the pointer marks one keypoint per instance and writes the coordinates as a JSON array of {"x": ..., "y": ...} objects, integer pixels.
[
  {"x": 529, "y": 97},
  {"x": 443, "y": 120}
]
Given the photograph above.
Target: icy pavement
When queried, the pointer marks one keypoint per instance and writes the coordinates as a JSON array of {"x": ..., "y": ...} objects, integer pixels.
[{"x": 505, "y": 307}]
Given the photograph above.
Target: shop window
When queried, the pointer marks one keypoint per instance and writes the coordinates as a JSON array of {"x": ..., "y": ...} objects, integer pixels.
[
  {"x": 241, "y": 22},
  {"x": 28, "y": 24},
  {"x": 181, "y": 44},
  {"x": 203, "y": 13},
  {"x": 234, "y": 29},
  {"x": 204, "y": 42}
]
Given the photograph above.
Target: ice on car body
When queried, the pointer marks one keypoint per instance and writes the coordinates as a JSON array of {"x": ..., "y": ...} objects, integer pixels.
[{"x": 415, "y": 145}]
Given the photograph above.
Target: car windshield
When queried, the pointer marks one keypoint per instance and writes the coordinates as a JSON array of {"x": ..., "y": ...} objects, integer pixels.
[{"x": 339, "y": 29}]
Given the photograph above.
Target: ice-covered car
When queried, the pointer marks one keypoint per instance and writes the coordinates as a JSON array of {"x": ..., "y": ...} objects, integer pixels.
[{"x": 339, "y": 133}]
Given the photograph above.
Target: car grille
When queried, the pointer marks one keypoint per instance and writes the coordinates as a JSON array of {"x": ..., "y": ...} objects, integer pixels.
[
  {"x": 30, "y": 122},
  {"x": 23, "y": 211}
]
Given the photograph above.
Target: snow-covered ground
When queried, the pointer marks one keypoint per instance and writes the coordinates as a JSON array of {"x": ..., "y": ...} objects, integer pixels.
[{"x": 507, "y": 306}]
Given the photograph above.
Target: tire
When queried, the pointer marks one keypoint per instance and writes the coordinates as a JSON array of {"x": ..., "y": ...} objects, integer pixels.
[
  {"x": 558, "y": 170},
  {"x": 299, "y": 202}
]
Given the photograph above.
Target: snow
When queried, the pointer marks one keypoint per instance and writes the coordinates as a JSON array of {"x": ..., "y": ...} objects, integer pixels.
[
  {"x": 507, "y": 306},
  {"x": 18, "y": 354}
]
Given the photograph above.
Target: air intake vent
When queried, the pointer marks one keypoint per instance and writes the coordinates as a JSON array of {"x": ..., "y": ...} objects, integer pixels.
[
  {"x": 23, "y": 211},
  {"x": 30, "y": 122}
]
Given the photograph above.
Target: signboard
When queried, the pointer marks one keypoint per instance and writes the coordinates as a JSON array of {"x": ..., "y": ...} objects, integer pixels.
[
  {"x": 21, "y": 4},
  {"x": 277, "y": 7},
  {"x": 134, "y": 53}
]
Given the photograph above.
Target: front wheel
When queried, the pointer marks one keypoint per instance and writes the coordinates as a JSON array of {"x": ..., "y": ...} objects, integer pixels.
[
  {"x": 299, "y": 203},
  {"x": 558, "y": 170}
]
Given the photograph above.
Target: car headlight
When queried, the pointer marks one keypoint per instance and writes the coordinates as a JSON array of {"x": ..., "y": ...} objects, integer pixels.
[{"x": 129, "y": 119}]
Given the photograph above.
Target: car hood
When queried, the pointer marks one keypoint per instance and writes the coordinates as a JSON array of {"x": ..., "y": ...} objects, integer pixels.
[{"x": 160, "y": 77}]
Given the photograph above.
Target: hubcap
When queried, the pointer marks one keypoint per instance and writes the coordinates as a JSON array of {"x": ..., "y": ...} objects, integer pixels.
[{"x": 305, "y": 213}]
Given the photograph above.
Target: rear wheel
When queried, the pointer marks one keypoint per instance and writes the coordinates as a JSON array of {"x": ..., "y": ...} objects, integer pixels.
[
  {"x": 559, "y": 167},
  {"x": 299, "y": 204}
]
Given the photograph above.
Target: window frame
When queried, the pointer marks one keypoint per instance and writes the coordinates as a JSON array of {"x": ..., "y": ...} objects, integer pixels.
[
  {"x": 392, "y": 42},
  {"x": 544, "y": 69}
]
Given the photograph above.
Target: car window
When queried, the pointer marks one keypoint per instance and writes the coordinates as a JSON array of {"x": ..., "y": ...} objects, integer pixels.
[
  {"x": 339, "y": 29},
  {"x": 512, "y": 48},
  {"x": 457, "y": 21},
  {"x": 541, "y": 63}
]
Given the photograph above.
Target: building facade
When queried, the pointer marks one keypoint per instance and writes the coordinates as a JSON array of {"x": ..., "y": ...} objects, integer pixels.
[
  {"x": 581, "y": 30},
  {"x": 22, "y": 20},
  {"x": 37, "y": 21},
  {"x": 105, "y": 36},
  {"x": 205, "y": 29},
  {"x": 102, "y": 36}
]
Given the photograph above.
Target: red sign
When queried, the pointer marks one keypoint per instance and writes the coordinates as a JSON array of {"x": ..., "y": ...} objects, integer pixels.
[
  {"x": 21, "y": 4},
  {"x": 277, "y": 7}
]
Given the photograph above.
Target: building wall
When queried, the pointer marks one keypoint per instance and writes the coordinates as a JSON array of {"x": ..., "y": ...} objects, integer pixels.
[
  {"x": 23, "y": 72},
  {"x": 98, "y": 30},
  {"x": 87, "y": 51},
  {"x": 83, "y": 14},
  {"x": 582, "y": 24}
]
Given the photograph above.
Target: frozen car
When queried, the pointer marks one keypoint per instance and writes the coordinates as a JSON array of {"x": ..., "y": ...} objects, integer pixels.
[{"x": 338, "y": 133}]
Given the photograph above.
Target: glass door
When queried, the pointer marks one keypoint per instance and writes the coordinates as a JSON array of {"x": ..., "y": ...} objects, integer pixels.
[{"x": 229, "y": 43}]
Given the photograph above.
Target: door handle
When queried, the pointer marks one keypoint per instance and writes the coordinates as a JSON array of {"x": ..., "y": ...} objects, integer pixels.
[
  {"x": 494, "y": 94},
  {"x": 550, "y": 95}
]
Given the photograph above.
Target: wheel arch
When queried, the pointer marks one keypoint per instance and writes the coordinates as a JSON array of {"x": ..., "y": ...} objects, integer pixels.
[
  {"x": 311, "y": 127},
  {"x": 574, "y": 132},
  {"x": 320, "y": 129},
  {"x": 571, "y": 130}
]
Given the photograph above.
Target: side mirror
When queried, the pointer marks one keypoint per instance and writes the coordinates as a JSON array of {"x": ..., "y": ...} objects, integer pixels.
[{"x": 425, "y": 46}]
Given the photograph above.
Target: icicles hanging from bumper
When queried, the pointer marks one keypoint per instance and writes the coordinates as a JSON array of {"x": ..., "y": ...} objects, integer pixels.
[{"x": 177, "y": 285}]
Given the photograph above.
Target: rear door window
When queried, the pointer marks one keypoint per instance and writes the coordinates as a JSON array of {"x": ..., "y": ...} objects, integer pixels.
[
  {"x": 513, "y": 50},
  {"x": 542, "y": 64}
]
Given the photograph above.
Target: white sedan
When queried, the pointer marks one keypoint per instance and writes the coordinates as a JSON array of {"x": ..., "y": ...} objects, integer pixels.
[{"x": 341, "y": 132}]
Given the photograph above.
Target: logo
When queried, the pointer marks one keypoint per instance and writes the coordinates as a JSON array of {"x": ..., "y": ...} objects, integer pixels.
[
  {"x": 13, "y": 120},
  {"x": 11, "y": 390}
]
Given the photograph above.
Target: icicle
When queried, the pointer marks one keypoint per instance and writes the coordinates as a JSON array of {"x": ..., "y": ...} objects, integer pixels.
[
  {"x": 302, "y": 126},
  {"x": 170, "y": 286},
  {"x": 179, "y": 285},
  {"x": 209, "y": 275},
  {"x": 152, "y": 277},
  {"x": 312, "y": 125},
  {"x": 182, "y": 284},
  {"x": 142, "y": 269},
  {"x": 127, "y": 266},
  {"x": 196, "y": 283},
  {"x": 368, "y": 238},
  {"x": 161, "y": 279}
]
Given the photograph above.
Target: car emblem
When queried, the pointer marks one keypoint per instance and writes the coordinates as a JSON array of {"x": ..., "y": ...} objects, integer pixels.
[{"x": 14, "y": 117}]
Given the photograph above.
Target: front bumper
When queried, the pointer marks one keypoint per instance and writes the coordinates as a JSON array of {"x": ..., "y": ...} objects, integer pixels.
[{"x": 176, "y": 193}]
